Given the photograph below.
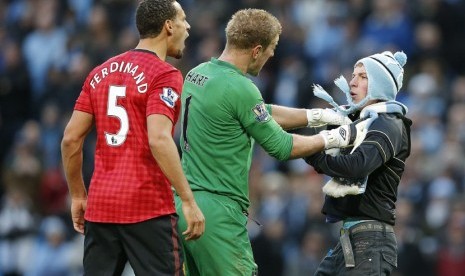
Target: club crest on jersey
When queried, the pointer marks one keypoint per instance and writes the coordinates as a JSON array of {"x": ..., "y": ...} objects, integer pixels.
[
  {"x": 169, "y": 96},
  {"x": 261, "y": 114}
]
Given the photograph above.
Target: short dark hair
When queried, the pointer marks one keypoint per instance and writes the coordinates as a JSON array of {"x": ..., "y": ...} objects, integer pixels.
[
  {"x": 250, "y": 27},
  {"x": 151, "y": 16}
]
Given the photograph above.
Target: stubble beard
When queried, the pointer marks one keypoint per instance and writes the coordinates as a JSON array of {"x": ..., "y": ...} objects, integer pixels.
[{"x": 179, "y": 54}]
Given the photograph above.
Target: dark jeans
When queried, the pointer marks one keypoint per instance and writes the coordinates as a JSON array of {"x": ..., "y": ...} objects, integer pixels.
[{"x": 375, "y": 253}]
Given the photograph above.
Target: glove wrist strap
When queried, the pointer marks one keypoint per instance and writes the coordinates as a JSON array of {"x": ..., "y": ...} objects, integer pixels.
[{"x": 313, "y": 117}]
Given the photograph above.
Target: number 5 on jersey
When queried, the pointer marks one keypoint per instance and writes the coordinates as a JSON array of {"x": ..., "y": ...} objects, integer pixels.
[{"x": 114, "y": 110}]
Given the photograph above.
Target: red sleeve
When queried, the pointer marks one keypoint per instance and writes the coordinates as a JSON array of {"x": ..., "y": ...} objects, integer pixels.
[
  {"x": 165, "y": 97},
  {"x": 83, "y": 102}
]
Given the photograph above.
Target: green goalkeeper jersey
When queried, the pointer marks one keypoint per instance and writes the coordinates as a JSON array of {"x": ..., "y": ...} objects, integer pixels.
[{"x": 222, "y": 114}]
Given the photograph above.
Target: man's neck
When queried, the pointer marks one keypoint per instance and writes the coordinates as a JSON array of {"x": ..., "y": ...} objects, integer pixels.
[
  {"x": 238, "y": 58},
  {"x": 156, "y": 45}
]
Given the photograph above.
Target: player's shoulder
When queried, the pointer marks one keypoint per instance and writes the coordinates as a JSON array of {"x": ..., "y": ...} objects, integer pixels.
[
  {"x": 221, "y": 76},
  {"x": 225, "y": 72},
  {"x": 236, "y": 81}
]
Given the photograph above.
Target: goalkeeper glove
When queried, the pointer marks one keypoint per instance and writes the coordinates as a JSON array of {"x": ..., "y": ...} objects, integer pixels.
[
  {"x": 346, "y": 135},
  {"x": 317, "y": 117}
]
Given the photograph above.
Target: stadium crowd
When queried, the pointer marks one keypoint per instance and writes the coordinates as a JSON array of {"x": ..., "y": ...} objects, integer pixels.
[{"x": 47, "y": 47}]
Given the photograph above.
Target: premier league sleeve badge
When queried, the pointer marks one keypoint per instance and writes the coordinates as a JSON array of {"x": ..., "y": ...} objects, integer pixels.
[
  {"x": 261, "y": 114},
  {"x": 169, "y": 96}
]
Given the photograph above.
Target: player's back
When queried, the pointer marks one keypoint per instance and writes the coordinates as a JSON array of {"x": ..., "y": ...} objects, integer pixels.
[
  {"x": 119, "y": 98},
  {"x": 121, "y": 93},
  {"x": 216, "y": 148}
]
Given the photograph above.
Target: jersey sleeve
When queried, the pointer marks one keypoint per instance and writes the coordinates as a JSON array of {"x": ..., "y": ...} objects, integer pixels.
[
  {"x": 254, "y": 116},
  {"x": 165, "y": 95},
  {"x": 84, "y": 102}
]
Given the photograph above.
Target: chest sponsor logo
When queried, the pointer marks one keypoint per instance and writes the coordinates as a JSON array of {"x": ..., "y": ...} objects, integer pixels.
[
  {"x": 169, "y": 96},
  {"x": 261, "y": 114}
]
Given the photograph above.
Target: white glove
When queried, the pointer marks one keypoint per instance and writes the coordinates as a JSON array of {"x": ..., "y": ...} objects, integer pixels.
[
  {"x": 317, "y": 117},
  {"x": 340, "y": 137},
  {"x": 347, "y": 135}
]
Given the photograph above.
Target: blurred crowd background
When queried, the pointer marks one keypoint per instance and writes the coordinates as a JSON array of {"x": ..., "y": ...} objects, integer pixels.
[{"x": 47, "y": 47}]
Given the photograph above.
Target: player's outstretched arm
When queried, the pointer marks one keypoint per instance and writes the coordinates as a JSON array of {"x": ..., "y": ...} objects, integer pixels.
[
  {"x": 288, "y": 117},
  {"x": 340, "y": 137},
  {"x": 291, "y": 118},
  {"x": 166, "y": 154}
]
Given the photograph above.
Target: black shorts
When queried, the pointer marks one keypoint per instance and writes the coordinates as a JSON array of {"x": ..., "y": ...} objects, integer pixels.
[{"x": 152, "y": 247}]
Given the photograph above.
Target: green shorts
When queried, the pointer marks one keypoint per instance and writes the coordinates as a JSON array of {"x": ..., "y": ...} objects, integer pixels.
[{"x": 224, "y": 249}]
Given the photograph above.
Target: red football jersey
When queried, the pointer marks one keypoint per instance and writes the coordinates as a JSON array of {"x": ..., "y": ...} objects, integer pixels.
[{"x": 127, "y": 185}]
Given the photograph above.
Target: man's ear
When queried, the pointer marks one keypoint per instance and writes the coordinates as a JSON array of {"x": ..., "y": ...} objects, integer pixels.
[
  {"x": 169, "y": 27},
  {"x": 256, "y": 51}
]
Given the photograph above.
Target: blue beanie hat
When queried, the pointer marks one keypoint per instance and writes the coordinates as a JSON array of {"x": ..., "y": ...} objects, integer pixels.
[{"x": 385, "y": 74}]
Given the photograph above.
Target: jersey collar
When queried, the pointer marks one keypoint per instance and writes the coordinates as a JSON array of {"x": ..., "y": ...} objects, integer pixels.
[
  {"x": 144, "y": 50},
  {"x": 225, "y": 64}
]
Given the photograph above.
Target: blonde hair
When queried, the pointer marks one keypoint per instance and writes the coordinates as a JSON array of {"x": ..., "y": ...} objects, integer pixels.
[{"x": 248, "y": 28}]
